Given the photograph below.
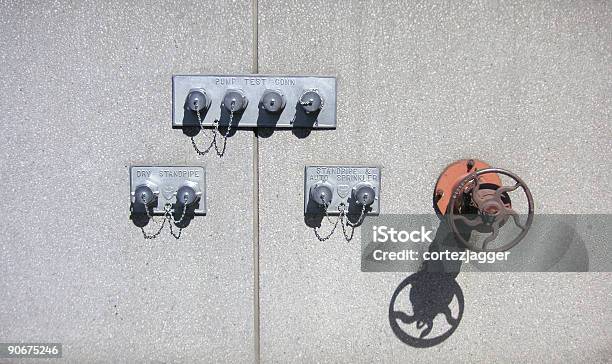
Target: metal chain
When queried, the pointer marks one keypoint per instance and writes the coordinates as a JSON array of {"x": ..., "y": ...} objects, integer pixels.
[
  {"x": 214, "y": 140},
  {"x": 341, "y": 219},
  {"x": 227, "y": 132},
  {"x": 321, "y": 238},
  {"x": 167, "y": 217},
  {"x": 360, "y": 220},
  {"x": 169, "y": 213},
  {"x": 344, "y": 228},
  {"x": 349, "y": 224},
  {"x": 176, "y": 236},
  {"x": 344, "y": 224},
  {"x": 213, "y": 143},
  {"x": 200, "y": 122},
  {"x": 150, "y": 217},
  {"x": 205, "y": 151},
  {"x": 156, "y": 234},
  {"x": 347, "y": 236},
  {"x": 144, "y": 202},
  {"x": 231, "y": 119},
  {"x": 326, "y": 207}
]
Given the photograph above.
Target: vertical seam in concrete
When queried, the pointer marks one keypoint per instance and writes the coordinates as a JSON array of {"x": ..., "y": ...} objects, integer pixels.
[{"x": 256, "y": 320}]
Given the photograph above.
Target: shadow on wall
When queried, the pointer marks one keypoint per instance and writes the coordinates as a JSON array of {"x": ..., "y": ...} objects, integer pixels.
[
  {"x": 316, "y": 213},
  {"x": 141, "y": 218},
  {"x": 427, "y": 306},
  {"x": 302, "y": 123},
  {"x": 191, "y": 124},
  {"x": 174, "y": 217}
]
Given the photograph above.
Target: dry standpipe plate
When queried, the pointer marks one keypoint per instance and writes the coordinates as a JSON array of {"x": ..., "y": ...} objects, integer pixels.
[
  {"x": 257, "y": 100},
  {"x": 165, "y": 182},
  {"x": 345, "y": 184}
]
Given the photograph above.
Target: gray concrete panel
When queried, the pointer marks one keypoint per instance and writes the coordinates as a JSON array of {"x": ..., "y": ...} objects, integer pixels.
[
  {"x": 524, "y": 86},
  {"x": 86, "y": 92}
]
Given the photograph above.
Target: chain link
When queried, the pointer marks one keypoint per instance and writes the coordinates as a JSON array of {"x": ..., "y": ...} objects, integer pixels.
[
  {"x": 214, "y": 140},
  {"x": 167, "y": 218},
  {"x": 169, "y": 213},
  {"x": 156, "y": 234},
  {"x": 347, "y": 237},
  {"x": 176, "y": 236},
  {"x": 213, "y": 143},
  {"x": 350, "y": 225},
  {"x": 150, "y": 217},
  {"x": 144, "y": 202},
  {"x": 345, "y": 224},
  {"x": 316, "y": 231},
  {"x": 200, "y": 123},
  {"x": 359, "y": 220}
]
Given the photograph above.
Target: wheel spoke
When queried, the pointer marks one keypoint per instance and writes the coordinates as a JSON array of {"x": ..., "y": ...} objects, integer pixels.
[
  {"x": 515, "y": 217},
  {"x": 472, "y": 223},
  {"x": 490, "y": 238},
  {"x": 505, "y": 189}
]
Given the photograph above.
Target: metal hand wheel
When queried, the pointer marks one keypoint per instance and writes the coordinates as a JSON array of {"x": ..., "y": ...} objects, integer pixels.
[{"x": 492, "y": 209}]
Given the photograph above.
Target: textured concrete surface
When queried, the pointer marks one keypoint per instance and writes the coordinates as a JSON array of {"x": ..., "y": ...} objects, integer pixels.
[
  {"x": 86, "y": 92},
  {"x": 523, "y": 86}
]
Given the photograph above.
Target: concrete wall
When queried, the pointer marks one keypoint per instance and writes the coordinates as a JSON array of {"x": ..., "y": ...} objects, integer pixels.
[
  {"x": 86, "y": 90},
  {"x": 523, "y": 86},
  {"x": 86, "y": 93}
]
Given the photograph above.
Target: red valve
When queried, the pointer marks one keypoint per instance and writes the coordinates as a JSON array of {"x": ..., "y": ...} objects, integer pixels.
[{"x": 470, "y": 195}]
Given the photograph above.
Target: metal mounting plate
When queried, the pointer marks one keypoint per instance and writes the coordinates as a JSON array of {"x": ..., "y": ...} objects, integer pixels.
[
  {"x": 343, "y": 179},
  {"x": 253, "y": 86},
  {"x": 168, "y": 180}
]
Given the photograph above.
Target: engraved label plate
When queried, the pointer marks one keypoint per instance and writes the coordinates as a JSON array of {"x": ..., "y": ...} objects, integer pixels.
[
  {"x": 167, "y": 181},
  {"x": 343, "y": 180},
  {"x": 254, "y": 86}
]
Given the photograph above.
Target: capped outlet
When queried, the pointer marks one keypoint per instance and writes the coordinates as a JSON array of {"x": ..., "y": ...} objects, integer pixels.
[
  {"x": 235, "y": 101},
  {"x": 197, "y": 100}
]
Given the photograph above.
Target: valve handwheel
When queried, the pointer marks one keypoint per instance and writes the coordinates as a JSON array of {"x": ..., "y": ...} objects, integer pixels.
[{"x": 490, "y": 208}]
